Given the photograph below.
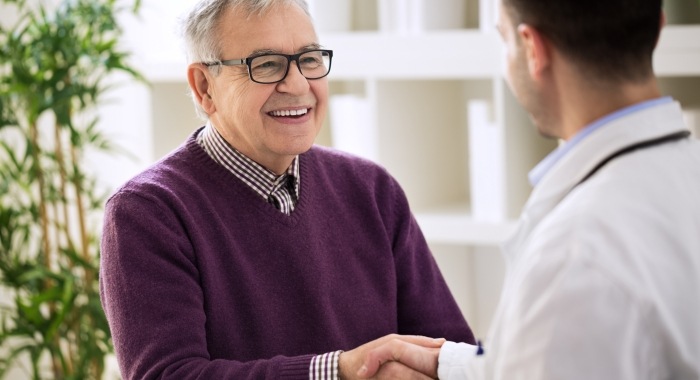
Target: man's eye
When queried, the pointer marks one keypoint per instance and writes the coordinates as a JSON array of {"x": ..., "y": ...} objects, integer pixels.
[{"x": 268, "y": 64}]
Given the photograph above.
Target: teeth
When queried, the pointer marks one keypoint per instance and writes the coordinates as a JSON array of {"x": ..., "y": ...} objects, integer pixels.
[{"x": 290, "y": 112}]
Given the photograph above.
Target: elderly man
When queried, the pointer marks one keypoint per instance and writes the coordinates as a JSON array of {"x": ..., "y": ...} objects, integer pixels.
[{"x": 248, "y": 253}]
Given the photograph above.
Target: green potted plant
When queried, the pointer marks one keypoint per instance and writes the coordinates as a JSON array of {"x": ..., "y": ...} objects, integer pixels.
[{"x": 53, "y": 65}]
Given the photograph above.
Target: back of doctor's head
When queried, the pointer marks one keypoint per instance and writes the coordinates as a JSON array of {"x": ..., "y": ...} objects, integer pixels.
[{"x": 612, "y": 40}]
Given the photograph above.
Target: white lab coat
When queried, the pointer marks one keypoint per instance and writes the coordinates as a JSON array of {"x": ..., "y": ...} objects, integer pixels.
[{"x": 603, "y": 278}]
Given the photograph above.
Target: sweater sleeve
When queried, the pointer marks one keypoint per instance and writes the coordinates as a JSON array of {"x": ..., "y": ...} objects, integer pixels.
[
  {"x": 150, "y": 291},
  {"x": 425, "y": 304}
]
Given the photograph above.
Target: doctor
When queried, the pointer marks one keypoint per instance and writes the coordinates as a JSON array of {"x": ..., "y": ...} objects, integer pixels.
[{"x": 603, "y": 277}]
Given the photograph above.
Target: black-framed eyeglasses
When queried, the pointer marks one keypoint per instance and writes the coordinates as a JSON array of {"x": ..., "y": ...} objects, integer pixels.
[{"x": 273, "y": 68}]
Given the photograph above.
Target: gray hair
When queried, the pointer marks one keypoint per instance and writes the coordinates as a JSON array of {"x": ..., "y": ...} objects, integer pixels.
[{"x": 199, "y": 26}]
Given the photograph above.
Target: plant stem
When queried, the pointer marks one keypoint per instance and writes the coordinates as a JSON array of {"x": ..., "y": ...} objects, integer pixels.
[
  {"x": 43, "y": 216},
  {"x": 77, "y": 183},
  {"x": 60, "y": 160}
]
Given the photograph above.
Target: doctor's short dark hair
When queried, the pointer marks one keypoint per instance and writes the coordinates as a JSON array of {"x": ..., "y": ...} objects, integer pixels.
[{"x": 612, "y": 40}]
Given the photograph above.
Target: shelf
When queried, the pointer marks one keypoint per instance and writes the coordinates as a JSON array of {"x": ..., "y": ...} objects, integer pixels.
[
  {"x": 362, "y": 55},
  {"x": 678, "y": 53},
  {"x": 467, "y": 54},
  {"x": 394, "y": 16},
  {"x": 423, "y": 136},
  {"x": 459, "y": 228},
  {"x": 434, "y": 55}
]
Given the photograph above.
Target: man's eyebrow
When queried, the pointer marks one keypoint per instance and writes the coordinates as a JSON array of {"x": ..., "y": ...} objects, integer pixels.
[
  {"x": 311, "y": 47},
  {"x": 308, "y": 47}
]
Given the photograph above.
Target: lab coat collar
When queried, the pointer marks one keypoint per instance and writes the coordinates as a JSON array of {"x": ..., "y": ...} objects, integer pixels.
[{"x": 646, "y": 124}]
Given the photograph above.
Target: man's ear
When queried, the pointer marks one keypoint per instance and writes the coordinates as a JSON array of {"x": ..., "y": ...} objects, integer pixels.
[
  {"x": 198, "y": 76},
  {"x": 537, "y": 50}
]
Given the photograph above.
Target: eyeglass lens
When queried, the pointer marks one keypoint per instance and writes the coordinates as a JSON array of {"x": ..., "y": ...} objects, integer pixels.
[{"x": 272, "y": 68}]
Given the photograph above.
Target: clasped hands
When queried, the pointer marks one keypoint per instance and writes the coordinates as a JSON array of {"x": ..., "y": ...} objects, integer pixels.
[{"x": 392, "y": 357}]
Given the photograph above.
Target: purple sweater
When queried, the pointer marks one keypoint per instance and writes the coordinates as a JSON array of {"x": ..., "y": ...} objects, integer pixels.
[{"x": 202, "y": 279}]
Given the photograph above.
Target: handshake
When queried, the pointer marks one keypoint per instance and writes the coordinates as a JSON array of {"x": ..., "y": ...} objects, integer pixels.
[{"x": 392, "y": 357}]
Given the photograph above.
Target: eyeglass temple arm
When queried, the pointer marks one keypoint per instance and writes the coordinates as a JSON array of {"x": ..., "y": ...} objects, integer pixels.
[{"x": 230, "y": 62}]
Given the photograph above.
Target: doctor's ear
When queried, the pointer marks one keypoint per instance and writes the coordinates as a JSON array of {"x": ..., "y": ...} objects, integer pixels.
[
  {"x": 199, "y": 77},
  {"x": 537, "y": 50}
]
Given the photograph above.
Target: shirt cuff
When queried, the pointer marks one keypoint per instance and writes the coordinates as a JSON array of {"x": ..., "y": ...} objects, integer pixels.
[
  {"x": 454, "y": 359},
  {"x": 324, "y": 367}
]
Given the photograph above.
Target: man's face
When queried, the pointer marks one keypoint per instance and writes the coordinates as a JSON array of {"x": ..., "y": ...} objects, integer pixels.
[
  {"x": 250, "y": 115},
  {"x": 516, "y": 69},
  {"x": 515, "y": 62}
]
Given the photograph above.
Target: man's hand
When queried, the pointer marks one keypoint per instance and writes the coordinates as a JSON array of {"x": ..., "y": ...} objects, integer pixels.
[{"x": 392, "y": 357}]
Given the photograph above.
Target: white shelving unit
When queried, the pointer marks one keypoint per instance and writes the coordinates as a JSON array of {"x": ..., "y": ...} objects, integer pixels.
[{"x": 418, "y": 81}]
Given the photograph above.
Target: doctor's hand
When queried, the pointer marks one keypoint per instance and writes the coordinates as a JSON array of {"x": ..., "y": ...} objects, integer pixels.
[{"x": 392, "y": 357}]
